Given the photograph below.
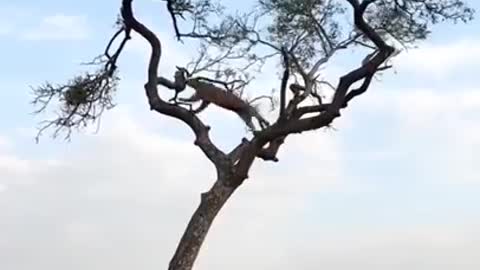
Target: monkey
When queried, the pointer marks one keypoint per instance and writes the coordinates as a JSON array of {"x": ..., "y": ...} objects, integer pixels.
[
  {"x": 208, "y": 93},
  {"x": 179, "y": 83},
  {"x": 370, "y": 56},
  {"x": 296, "y": 89}
]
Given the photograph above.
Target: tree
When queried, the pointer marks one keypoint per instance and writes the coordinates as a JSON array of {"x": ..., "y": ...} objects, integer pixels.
[{"x": 302, "y": 35}]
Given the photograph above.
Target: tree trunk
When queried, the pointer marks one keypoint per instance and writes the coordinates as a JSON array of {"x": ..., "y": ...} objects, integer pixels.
[{"x": 197, "y": 229}]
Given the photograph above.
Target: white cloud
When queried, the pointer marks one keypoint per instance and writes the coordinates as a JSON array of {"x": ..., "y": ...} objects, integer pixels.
[
  {"x": 440, "y": 126},
  {"x": 134, "y": 190},
  {"x": 4, "y": 142},
  {"x": 426, "y": 108},
  {"x": 59, "y": 27},
  {"x": 3, "y": 188},
  {"x": 439, "y": 60},
  {"x": 423, "y": 247},
  {"x": 124, "y": 197}
]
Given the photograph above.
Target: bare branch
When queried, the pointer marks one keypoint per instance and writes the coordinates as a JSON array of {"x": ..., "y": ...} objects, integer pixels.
[{"x": 82, "y": 101}]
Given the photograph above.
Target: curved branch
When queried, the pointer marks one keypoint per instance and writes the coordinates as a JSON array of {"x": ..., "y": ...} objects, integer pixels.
[
  {"x": 356, "y": 92},
  {"x": 159, "y": 105},
  {"x": 371, "y": 66},
  {"x": 330, "y": 111}
]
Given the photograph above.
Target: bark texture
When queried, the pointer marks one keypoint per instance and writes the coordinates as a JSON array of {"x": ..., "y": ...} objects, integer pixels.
[{"x": 210, "y": 204}]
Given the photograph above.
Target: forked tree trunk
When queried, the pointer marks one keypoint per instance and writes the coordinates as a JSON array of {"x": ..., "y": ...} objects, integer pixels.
[{"x": 201, "y": 221}]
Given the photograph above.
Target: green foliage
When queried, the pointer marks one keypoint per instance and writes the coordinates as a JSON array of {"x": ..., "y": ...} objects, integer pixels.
[
  {"x": 311, "y": 26},
  {"x": 409, "y": 20},
  {"x": 314, "y": 29}
]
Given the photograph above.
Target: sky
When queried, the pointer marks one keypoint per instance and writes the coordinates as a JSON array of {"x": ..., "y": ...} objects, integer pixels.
[{"x": 394, "y": 186}]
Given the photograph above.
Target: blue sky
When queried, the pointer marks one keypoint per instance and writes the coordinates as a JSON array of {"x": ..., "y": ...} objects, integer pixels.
[{"x": 395, "y": 186}]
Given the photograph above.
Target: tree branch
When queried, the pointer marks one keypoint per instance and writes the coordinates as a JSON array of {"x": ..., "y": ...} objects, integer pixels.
[
  {"x": 356, "y": 92},
  {"x": 369, "y": 68},
  {"x": 159, "y": 105},
  {"x": 270, "y": 153},
  {"x": 174, "y": 18},
  {"x": 283, "y": 86},
  {"x": 330, "y": 111}
]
